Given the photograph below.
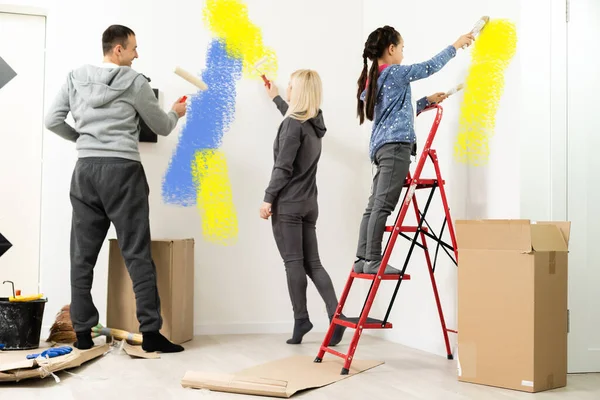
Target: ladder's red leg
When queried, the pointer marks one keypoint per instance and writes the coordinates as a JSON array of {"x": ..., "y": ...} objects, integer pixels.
[
  {"x": 433, "y": 282},
  {"x": 352, "y": 349},
  {"x": 338, "y": 311}
]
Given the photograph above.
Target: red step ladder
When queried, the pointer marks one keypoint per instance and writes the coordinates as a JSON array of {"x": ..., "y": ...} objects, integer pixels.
[{"x": 398, "y": 229}]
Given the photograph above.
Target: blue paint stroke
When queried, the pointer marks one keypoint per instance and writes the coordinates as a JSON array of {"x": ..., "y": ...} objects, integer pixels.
[{"x": 209, "y": 116}]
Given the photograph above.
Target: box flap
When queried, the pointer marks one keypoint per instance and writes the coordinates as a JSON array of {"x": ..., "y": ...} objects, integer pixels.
[
  {"x": 494, "y": 235},
  {"x": 547, "y": 237},
  {"x": 564, "y": 226}
]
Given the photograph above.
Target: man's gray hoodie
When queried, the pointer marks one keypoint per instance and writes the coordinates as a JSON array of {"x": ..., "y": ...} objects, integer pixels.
[{"x": 106, "y": 103}]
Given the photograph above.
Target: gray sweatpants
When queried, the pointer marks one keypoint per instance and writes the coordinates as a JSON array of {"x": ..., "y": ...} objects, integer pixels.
[
  {"x": 105, "y": 190},
  {"x": 393, "y": 163},
  {"x": 296, "y": 238}
]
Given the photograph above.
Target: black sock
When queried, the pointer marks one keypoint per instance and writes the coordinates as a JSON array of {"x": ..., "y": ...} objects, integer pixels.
[
  {"x": 154, "y": 341},
  {"x": 301, "y": 328},
  {"x": 84, "y": 341},
  {"x": 338, "y": 333}
]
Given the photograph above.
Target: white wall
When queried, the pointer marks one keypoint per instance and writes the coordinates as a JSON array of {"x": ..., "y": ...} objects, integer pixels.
[{"x": 242, "y": 288}]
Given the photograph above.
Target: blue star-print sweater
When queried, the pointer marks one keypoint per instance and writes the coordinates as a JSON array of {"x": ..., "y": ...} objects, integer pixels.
[{"x": 393, "y": 121}]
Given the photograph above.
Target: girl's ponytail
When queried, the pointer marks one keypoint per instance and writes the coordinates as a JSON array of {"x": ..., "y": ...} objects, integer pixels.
[
  {"x": 362, "y": 84},
  {"x": 372, "y": 90}
]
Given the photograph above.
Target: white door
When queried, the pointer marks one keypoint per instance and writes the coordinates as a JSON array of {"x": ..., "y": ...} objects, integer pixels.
[
  {"x": 22, "y": 42},
  {"x": 584, "y": 185}
]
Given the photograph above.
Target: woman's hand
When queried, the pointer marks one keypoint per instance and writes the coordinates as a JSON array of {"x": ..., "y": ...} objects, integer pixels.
[
  {"x": 437, "y": 98},
  {"x": 265, "y": 211},
  {"x": 272, "y": 90}
]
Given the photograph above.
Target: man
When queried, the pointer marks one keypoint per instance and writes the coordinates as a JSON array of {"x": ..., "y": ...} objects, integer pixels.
[{"x": 109, "y": 183}]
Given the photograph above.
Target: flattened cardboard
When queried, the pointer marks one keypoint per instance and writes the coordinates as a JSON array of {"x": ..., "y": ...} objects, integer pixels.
[
  {"x": 512, "y": 303},
  {"x": 280, "y": 378},
  {"x": 138, "y": 352},
  {"x": 174, "y": 260},
  {"x": 15, "y": 367}
]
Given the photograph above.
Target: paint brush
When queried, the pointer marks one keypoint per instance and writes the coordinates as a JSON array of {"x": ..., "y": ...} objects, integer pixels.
[
  {"x": 455, "y": 90},
  {"x": 194, "y": 80},
  {"x": 264, "y": 78},
  {"x": 479, "y": 27},
  {"x": 119, "y": 334}
]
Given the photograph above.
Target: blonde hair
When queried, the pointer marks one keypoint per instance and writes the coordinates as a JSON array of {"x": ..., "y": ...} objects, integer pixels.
[{"x": 305, "y": 100}]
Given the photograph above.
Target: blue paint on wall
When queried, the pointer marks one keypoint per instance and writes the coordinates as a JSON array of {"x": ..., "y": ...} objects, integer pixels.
[{"x": 209, "y": 117}]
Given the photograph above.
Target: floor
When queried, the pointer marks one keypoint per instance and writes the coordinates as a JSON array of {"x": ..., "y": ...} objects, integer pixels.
[{"x": 407, "y": 374}]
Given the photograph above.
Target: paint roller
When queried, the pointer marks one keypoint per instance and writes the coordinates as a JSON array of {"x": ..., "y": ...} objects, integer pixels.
[
  {"x": 264, "y": 78},
  {"x": 479, "y": 27},
  {"x": 194, "y": 80}
]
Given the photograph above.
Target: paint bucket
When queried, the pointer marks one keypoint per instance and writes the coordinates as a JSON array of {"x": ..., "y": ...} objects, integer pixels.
[{"x": 21, "y": 323}]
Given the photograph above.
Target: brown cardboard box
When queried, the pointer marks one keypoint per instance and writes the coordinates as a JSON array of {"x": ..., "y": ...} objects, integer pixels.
[
  {"x": 174, "y": 261},
  {"x": 512, "y": 303}
]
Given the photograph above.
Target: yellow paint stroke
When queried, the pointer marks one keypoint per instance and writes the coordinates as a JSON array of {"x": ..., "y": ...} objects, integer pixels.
[
  {"x": 214, "y": 197},
  {"x": 229, "y": 20},
  {"x": 491, "y": 55}
]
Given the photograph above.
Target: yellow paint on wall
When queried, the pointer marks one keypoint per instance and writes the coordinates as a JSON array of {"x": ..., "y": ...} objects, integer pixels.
[
  {"x": 215, "y": 199},
  {"x": 492, "y": 53},
  {"x": 229, "y": 20}
]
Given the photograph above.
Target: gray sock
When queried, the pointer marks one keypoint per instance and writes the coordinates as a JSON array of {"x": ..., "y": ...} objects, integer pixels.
[
  {"x": 359, "y": 265},
  {"x": 371, "y": 267}
]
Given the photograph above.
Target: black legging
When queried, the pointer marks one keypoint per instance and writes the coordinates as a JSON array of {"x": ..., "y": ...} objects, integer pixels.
[{"x": 296, "y": 238}]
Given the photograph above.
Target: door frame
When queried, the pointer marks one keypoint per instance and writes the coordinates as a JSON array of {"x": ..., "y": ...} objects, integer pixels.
[{"x": 36, "y": 12}]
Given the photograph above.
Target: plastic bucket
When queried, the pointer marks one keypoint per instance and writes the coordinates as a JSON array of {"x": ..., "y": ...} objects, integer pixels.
[{"x": 21, "y": 323}]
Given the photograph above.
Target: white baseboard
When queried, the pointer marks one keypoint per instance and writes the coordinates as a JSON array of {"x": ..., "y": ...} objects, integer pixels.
[
  {"x": 247, "y": 328},
  {"x": 242, "y": 328}
]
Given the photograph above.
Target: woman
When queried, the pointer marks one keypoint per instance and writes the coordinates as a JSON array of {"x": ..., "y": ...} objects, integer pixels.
[{"x": 291, "y": 197}]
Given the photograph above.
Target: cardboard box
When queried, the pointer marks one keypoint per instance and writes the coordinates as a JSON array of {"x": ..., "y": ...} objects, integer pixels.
[
  {"x": 174, "y": 260},
  {"x": 512, "y": 303}
]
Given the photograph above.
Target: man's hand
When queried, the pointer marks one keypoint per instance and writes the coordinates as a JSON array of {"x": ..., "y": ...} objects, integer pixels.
[
  {"x": 265, "y": 211},
  {"x": 272, "y": 90},
  {"x": 180, "y": 108},
  {"x": 464, "y": 40},
  {"x": 437, "y": 98}
]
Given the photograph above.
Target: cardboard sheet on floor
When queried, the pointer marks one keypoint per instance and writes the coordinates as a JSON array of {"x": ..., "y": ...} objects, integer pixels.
[
  {"x": 138, "y": 352},
  {"x": 15, "y": 367},
  {"x": 280, "y": 378}
]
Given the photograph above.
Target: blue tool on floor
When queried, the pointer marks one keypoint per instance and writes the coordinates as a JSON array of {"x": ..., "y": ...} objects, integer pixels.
[
  {"x": 2, "y": 346},
  {"x": 52, "y": 352}
]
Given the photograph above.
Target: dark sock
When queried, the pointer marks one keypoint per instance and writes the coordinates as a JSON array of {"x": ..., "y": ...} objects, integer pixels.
[
  {"x": 301, "y": 328},
  {"x": 84, "y": 341},
  {"x": 154, "y": 341},
  {"x": 338, "y": 333}
]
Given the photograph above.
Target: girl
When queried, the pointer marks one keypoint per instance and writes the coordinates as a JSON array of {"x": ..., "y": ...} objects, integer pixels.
[
  {"x": 385, "y": 98},
  {"x": 291, "y": 197}
]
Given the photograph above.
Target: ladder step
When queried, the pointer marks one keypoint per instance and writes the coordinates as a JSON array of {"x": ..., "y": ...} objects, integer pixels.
[
  {"x": 352, "y": 322},
  {"x": 385, "y": 277},
  {"x": 335, "y": 353},
  {"x": 424, "y": 183},
  {"x": 390, "y": 228}
]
